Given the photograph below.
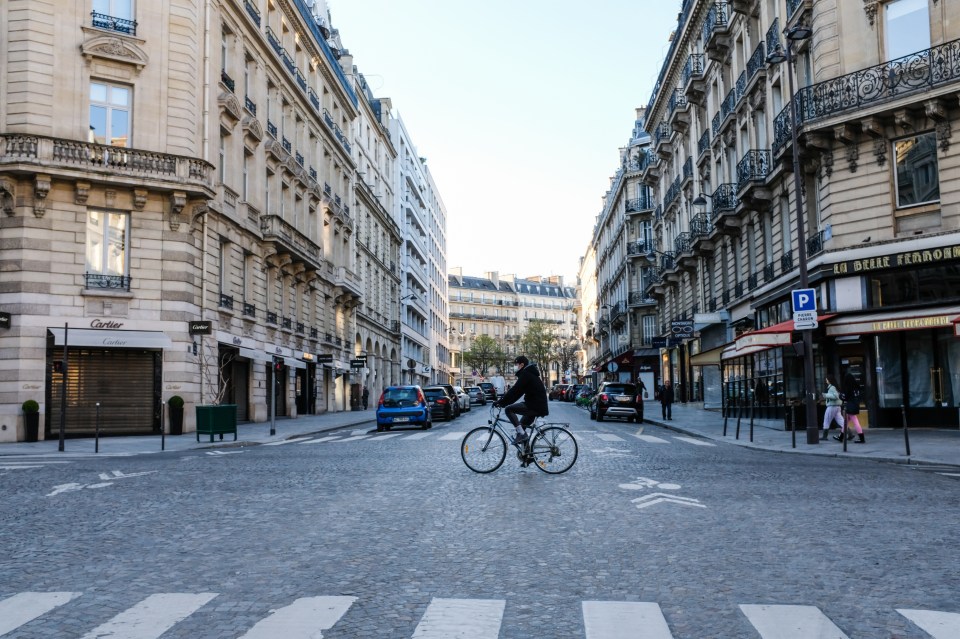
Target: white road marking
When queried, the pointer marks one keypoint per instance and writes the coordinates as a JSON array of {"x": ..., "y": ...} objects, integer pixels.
[
  {"x": 303, "y": 619},
  {"x": 608, "y": 437},
  {"x": 295, "y": 440},
  {"x": 418, "y": 435},
  {"x": 351, "y": 439},
  {"x": 939, "y": 625},
  {"x": 650, "y": 439},
  {"x": 791, "y": 622},
  {"x": 225, "y": 452},
  {"x": 624, "y": 620},
  {"x": 694, "y": 441},
  {"x": 152, "y": 617},
  {"x": 27, "y": 606},
  {"x": 950, "y": 474},
  {"x": 657, "y": 498},
  {"x": 382, "y": 437},
  {"x": 450, "y": 436},
  {"x": 19, "y": 467},
  {"x": 321, "y": 440},
  {"x": 64, "y": 488},
  {"x": 461, "y": 619},
  {"x": 116, "y": 474},
  {"x": 361, "y": 431}
]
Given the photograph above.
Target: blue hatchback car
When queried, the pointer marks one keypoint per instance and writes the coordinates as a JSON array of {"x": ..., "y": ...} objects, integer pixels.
[{"x": 403, "y": 406}]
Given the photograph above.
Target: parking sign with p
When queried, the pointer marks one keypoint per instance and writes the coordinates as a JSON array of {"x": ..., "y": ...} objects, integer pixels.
[{"x": 804, "y": 299}]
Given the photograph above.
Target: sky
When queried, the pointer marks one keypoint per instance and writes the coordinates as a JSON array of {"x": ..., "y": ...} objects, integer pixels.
[{"x": 520, "y": 108}]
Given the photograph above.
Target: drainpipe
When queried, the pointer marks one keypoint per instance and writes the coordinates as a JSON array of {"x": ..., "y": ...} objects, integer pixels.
[{"x": 205, "y": 150}]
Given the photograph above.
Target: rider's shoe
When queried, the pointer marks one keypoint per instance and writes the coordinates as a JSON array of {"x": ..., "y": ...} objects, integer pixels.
[{"x": 521, "y": 439}]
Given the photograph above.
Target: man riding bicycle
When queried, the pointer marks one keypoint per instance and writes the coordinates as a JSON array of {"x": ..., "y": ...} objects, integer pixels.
[{"x": 534, "y": 404}]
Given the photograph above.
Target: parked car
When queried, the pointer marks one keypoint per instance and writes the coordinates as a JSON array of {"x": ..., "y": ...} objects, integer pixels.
[
  {"x": 457, "y": 401},
  {"x": 442, "y": 406},
  {"x": 403, "y": 405},
  {"x": 464, "y": 398},
  {"x": 617, "y": 399},
  {"x": 575, "y": 390},
  {"x": 490, "y": 390},
  {"x": 558, "y": 391},
  {"x": 477, "y": 396}
]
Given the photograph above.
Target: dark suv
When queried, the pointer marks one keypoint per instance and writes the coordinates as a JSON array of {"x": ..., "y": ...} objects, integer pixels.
[
  {"x": 441, "y": 404},
  {"x": 617, "y": 399},
  {"x": 489, "y": 389}
]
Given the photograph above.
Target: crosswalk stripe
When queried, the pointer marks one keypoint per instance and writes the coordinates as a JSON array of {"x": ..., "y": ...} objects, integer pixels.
[
  {"x": 418, "y": 435},
  {"x": 153, "y": 616},
  {"x": 466, "y": 618},
  {"x": 352, "y": 439},
  {"x": 321, "y": 440},
  {"x": 377, "y": 438},
  {"x": 624, "y": 620},
  {"x": 295, "y": 440},
  {"x": 950, "y": 474},
  {"x": 694, "y": 441},
  {"x": 19, "y": 467},
  {"x": 303, "y": 619},
  {"x": 650, "y": 439},
  {"x": 939, "y": 625},
  {"x": 450, "y": 436},
  {"x": 608, "y": 437},
  {"x": 791, "y": 622},
  {"x": 27, "y": 606}
]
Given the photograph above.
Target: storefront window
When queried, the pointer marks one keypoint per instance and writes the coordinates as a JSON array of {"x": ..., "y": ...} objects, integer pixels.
[
  {"x": 889, "y": 376},
  {"x": 919, "y": 368},
  {"x": 932, "y": 284}
]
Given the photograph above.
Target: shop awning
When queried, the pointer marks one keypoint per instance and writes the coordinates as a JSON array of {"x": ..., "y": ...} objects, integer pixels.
[
  {"x": 257, "y": 356},
  {"x": 97, "y": 338},
  {"x": 956, "y": 327},
  {"x": 708, "y": 358},
  {"x": 776, "y": 335},
  {"x": 894, "y": 321},
  {"x": 293, "y": 362}
]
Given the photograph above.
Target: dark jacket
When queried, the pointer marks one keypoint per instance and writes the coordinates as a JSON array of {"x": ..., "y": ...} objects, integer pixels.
[
  {"x": 666, "y": 394},
  {"x": 530, "y": 387}
]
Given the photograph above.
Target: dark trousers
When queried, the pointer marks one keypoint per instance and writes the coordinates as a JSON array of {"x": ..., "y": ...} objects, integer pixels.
[
  {"x": 520, "y": 413},
  {"x": 667, "y": 413}
]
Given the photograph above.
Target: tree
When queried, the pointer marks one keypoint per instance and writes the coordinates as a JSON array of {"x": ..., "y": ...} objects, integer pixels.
[
  {"x": 215, "y": 370},
  {"x": 565, "y": 352},
  {"x": 484, "y": 352},
  {"x": 536, "y": 344}
]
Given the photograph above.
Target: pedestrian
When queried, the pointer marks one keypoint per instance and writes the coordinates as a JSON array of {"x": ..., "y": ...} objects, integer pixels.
[
  {"x": 832, "y": 397},
  {"x": 365, "y": 397},
  {"x": 851, "y": 406},
  {"x": 666, "y": 400}
]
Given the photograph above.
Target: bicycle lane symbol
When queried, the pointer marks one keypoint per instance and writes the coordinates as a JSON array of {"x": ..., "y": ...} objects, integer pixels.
[{"x": 641, "y": 483}]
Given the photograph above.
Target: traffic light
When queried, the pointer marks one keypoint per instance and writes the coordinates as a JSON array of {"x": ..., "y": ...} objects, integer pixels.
[{"x": 277, "y": 363}]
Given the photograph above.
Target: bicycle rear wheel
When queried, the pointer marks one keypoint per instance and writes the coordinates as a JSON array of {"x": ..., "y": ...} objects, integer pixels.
[
  {"x": 483, "y": 449},
  {"x": 554, "y": 450}
]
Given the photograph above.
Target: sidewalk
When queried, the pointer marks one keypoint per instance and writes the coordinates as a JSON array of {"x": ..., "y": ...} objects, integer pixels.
[
  {"x": 927, "y": 445},
  {"x": 247, "y": 435}
]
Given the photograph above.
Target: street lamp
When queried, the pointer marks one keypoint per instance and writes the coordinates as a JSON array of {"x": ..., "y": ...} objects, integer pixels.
[{"x": 782, "y": 54}]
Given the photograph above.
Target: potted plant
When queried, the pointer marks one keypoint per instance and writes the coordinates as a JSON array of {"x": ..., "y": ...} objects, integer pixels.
[
  {"x": 176, "y": 415},
  {"x": 213, "y": 416},
  {"x": 31, "y": 420}
]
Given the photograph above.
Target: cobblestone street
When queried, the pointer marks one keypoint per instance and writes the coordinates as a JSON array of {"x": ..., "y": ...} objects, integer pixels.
[{"x": 357, "y": 534}]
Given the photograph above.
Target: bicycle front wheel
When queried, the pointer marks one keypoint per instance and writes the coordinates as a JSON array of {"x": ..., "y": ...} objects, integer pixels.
[
  {"x": 554, "y": 450},
  {"x": 483, "y": 449}
]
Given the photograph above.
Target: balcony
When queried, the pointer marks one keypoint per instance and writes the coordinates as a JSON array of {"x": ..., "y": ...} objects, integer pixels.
[
  {"x": 348, "y": 282},
  {"x": 769, "y": 272},
  {"x": 716, "y": 32},
  {"x": 644, "y": 203},
  {"x": 250, "y": 105},
  {"x": 679, "y": 111},
  {"x": 638, "y": 248},
  {"x": 815, "y": 244},
  {"x": 98, "y": 281},
  {"x": 287, "y": 324},
  {"x": 272, "y": 318},
  {"x": 786, "y": 263},
  {"x": 752, "y": 171},
  {"x": 673, "y": 193},
  {"x": 227, "y": 81},
  {"x": 683, "y": 249},
  {"x": 314, "y": 333},
  {"x": 640, "y": 298},
  {"x": 249, "y": 310},
  {"x": 703, "y": 147},
  {"x": 119, "y": 25},
  {"x": 728, "y": 110},
  {"x": 226, "y": 301},
  {"x": 700, "y": 229},
  {"x": 661, "y": 137},
  {"x": 725, "y": 202},
  {"x": 756, "y": 75},
  {"x": 651, "y": 173},
  {"x": 74, "y": 159},
  {"x": 252, "y": 11},
  {"x": 692, "y": 81},
  {"x": 927, "y": 74},
  {"x": 753, "y": 281},
  {"x": 289, "y": 241},
  {"x": 314, "y": 100}
]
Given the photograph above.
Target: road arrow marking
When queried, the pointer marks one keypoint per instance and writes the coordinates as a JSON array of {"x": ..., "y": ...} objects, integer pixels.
[
  {"x": 656, "y": 498},
  {"x": 225, "y": 452},
  {"x": 116, "y": 474}
]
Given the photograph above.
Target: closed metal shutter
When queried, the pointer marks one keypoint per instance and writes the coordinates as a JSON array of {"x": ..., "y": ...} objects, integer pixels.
[{"x": 124, "y": 381}]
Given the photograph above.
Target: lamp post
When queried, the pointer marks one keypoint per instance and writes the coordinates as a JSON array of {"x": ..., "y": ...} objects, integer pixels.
[{"x": 782, "y": 54}]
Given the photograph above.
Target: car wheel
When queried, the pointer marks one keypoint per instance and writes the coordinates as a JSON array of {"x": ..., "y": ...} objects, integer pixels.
[
  {"x": 387, "y": 428},
  {"x": 379, "y": 428},
  {"x": 593, "y": 415}
]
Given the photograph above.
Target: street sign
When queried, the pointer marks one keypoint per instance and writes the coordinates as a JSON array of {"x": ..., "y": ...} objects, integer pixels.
[
  {"x": 805, "y": 320},
  {"x": 658, "y": 342},
  {"x": 324, "y": 358},
  {"x": 804, "y": 299},
  {"x": 682, "y": 328},
  {"x": 358, "y": 363},
  {"x": 200, "y": 328}
]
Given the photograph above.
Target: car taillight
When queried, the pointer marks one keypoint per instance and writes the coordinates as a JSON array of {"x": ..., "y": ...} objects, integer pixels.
[
  {"x": 421, "y": 398},
  {"x": 442, "y": 401},
  {"x": 382, "y": 394},
  {"x": 604, "y": 397}
]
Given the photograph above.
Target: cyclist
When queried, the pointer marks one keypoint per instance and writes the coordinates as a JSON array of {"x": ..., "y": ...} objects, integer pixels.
[{"x": 534, "y": 404}]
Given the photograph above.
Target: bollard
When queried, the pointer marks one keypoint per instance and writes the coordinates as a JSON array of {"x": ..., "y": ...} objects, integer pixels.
[
  {"x": 96, "y": 431},
  {"x": 752, "y": 404},
  {"x": 793, "y": 423},
  {"x": 726, "y": 416},
  {"x": 906, "y": 431},
  {"x": 739, "y": 417},
  {"x": 163, "y": 432},
  {"x": 843, "y": 431}
]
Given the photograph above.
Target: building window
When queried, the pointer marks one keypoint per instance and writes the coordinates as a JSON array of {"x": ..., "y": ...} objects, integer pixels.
[
  {"x": 110, "y": 114},
  {"x": 107, "y": 249},
  {"x": 917, "y": 175},
  {"x": 906, "y": 27},
  {"x": 116, "y": 15}
]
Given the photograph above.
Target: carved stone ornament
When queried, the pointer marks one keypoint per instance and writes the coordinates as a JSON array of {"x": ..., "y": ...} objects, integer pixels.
[
  {"x": 870, "y": 8},
  {"x": 140, "y": 198},
  {"x": 81, "y": 192},
  {"x": 7, "y": 196},
  {"x": 199, "y": 210},
  {"x": 880, "y": 151},
  {"x": 853, "y": 154},
  {"x": 178, "y": 200},
  {"x": 116, "y": 48},
  {"x": 41, "y": 189},
  {"x": 943, "y": 135},
  {"x": 826, "y": 162},
  {"x": 110, "y": 197}
]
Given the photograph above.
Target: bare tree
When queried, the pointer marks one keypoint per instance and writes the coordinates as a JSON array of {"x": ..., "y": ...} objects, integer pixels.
[
  {"x": 214, "y": 371},
  {"x": 536, "y": 344},
  {"x": 565, "y": 352}
]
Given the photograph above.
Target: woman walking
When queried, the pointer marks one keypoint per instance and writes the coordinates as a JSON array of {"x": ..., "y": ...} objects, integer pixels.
[
  {"x": 832, "y": 396},
  {"x": 851, "y": 406}
]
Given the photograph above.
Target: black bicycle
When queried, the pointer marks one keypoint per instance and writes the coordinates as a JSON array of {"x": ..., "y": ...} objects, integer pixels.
[{"x": 551, "y": 447}]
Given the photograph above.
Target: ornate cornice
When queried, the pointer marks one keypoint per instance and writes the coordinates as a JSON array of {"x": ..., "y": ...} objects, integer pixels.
[{"x": 116, "y": 48}]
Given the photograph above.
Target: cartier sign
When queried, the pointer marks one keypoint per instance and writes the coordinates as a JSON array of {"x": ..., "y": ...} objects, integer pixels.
[
  {"x": 898, "y": 260},
  {"x": 4, "y": 320},
  {"x": 98, "y": 323},
  {"x": 201, "y": 328}
]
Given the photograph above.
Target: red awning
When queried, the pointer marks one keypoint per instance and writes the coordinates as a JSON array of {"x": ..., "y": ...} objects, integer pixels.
[{"x": 776, "y": 335}]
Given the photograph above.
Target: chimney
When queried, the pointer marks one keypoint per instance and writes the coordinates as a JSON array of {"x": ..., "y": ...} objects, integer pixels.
[{"x": 494, "y": 277}]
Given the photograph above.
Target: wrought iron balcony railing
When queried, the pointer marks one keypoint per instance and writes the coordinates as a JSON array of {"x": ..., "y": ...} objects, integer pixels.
[
  {"x": 786, "y": 263},
  {"x": 314, "y": 100},
  {"x": 688, "y": 169},
  {"x": 682, "y": 243},
  {"x": 715, "y": 124},
  {"x": 301, "y": 80},
  {"x": 249, "y": 310},
  {"x": 227, "y": 80},
  {"x": 250, "y": 105},
  {"x": 753, "y": 281},
  {"x": 274, "y": 41},
  {"x": 300, "y": 327},
  {"x": 769, "y": 272},
  {"x": 729, "y": 104},
  {"x": 98, "y": 280},
  {"x": 636, "y": 298},
  {"x": 815, "y": 244},
  {"x": 226, "y": 301},
  {"x": 772, "y": 39},
  {"x": 911, "y": 74},
  {"x": 252, "y": 11},
  {"x": 757, "y": 61},
  {"x": 725, "y": 198},
  {"x": 699, "y": 226},
  {"x": 673, "y": 192},
  {"x": 692, "y": 69},
  {"x": 677, "y": 101},
  {"x": 753, "y": 167},
  {"x": 286, "y": 144},
  {"x": 271, "y": 129},
  {"x": 643, "y": 203},
  {"x": 314, "y": 333},
  {"x": 287, "y": 323},
  {"x": 703, "y": 145},
  {"x": 103, "y": 21},
  {"x": 738, "y": 290},
  {"x": 716, "y": 18}
]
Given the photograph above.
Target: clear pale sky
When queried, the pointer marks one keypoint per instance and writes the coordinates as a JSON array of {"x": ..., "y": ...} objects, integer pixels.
[{"x": 519, "y": 107}]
